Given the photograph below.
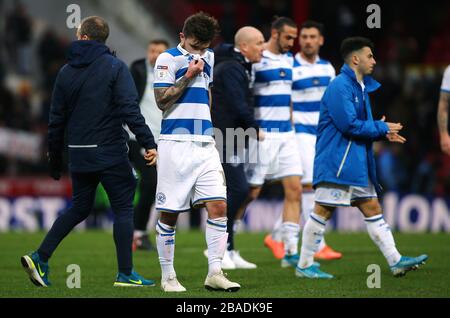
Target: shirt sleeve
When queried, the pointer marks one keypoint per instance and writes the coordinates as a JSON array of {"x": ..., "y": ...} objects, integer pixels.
[
  {"x": 164, "y": 71},
  {"x": 211, "y": 77},
  {"x": 445, "y": 87}
]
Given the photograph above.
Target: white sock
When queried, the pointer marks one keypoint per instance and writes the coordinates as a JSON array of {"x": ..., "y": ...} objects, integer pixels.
[
  {"x": 216, "y": 241},
  {"x": 381, "y": 235},
  {"x": 276, "y": 232},
  {"x": 307, "y": 208},
  {"x": 165, "y": 243},
  {"x": 290, "y": 235},
  {"x": 311, "y": 238}
]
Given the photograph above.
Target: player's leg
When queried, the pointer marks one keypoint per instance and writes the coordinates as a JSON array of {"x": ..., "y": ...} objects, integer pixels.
[
  {"x": 306, "y": 144},
  {"x": 313, "y": 232},
  {"x": 327, "y": 197},
  {"x": 210, "y": 191},
  {"x": 165, "y": 243},
  {"x": 147, "y": 191},
  {"x": 324, "y": 252},
  {"x": 290, "y": 228},
  {"x": 237, "y": 192},
  {"x": 274, "y": 241},
  {"x": 36, "y": 264},
  {"x": 176, "y": 179},
  {"x": 380, "y": 233},
  {"x": 120, "y": 185},
  {"x": 216, "y": 241}
]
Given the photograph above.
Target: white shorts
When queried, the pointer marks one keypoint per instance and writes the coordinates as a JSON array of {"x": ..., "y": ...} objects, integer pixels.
[
  {"x": 306, "y": 144},
  {"x": 342, "y": 195},
  {"x": 188, "y": 170},
  {"x": 272, "y": 159}
]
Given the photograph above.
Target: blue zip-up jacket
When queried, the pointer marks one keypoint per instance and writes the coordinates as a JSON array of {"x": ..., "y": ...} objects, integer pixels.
[
  {"x": 346, "y": 132},
  {"x": 93, "y": 96}
]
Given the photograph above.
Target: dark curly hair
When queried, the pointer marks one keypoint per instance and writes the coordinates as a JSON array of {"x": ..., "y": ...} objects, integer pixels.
[{"x": 202, "y": 27}]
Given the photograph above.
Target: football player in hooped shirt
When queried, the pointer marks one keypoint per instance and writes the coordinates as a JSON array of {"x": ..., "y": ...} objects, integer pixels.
[
  {"x": 189, "y": 166},
  {"x": 310, "y": 77},
  {"x": 277, "y": 156}
]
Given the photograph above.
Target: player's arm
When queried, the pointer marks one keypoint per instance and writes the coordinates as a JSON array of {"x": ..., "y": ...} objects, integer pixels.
[
  {"x": 343, "y": 114},
  {"x": 167, "y": 96},
  {"x": 442, "y": 119}
]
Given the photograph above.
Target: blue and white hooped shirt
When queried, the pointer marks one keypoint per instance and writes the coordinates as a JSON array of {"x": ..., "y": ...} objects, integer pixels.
[
  {"x": 272, "y": 89},
  {"x": 189, "y": 119},
  {"x": 309, "y": 83}
]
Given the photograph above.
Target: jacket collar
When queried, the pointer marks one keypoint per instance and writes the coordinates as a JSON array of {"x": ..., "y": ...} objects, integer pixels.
[
  {"x": 370, "y": 83},
  {"x": 242, "y": 59}
]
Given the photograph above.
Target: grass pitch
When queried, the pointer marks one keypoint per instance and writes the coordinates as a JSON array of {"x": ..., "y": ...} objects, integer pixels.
[{"x": 94, "y": 252}]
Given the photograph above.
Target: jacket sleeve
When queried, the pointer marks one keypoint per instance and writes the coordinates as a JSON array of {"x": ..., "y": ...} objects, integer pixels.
[
  {"x": 57, "y": 119},
  {"x": 343, "y": 114},
  {"x": 234, "y": 82},
  {"x": 126, "y": 98}
]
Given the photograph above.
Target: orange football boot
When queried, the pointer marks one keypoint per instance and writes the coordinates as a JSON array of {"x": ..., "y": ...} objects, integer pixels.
[
  {"x": 327, "y": 253},
  {"x": 276, "y": 247}
]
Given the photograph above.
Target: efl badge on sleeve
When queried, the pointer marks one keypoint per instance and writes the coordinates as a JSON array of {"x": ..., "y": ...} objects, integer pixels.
[{"x": 162, "y": 71}]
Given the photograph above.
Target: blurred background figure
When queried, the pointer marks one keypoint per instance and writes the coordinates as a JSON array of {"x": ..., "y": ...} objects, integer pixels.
[
  {"x": 143, "y": 75},
  {"x": 18, "y": 38}
]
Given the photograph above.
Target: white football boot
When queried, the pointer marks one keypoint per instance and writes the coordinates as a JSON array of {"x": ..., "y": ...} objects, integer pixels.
[
  {"x": 171, "y": 284},
  {"x": 219, "y": 282},
  {"x": 239, "y": 262}
]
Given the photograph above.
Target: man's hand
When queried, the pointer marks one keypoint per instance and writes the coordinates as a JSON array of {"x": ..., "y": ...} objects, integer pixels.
[
  {"x": 393, "y": 127},
  {"x": 167, "y": 96},
  {"x": 195, "y": 67},
  {"x": 55, "y": 165},
  {"x": 261, "y": 135},
  {"x": 445, "y": 143},
  {"x": 394, "y": 137},
  {"x": 151, "y": 156}
]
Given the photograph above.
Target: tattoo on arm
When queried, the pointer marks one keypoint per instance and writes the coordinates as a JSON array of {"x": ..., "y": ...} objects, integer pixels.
[
  {"x": 166, "y": 97},
  {"x": 443, "y": 112}
]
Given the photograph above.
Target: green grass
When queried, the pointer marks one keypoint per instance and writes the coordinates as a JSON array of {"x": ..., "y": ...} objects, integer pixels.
[{"x": 94, "y": 253}]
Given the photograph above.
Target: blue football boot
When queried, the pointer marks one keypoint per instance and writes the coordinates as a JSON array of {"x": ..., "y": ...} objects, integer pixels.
[
  {"x": 407, "y": 264},
  {"x": 312, "y": 272},
  {"x": 36, "y": 269},
  {"x": 292, "y": 261},
  {"x": 133, "y": 280}
]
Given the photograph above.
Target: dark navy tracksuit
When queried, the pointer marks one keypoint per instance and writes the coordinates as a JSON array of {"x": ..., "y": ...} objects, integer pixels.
[
  {"x": 94, "y": 95},
  {"x": 232, "y": 107}
]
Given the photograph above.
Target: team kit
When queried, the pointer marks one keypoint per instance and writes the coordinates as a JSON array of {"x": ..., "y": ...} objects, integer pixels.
[{"x": 314, "y": 132}]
